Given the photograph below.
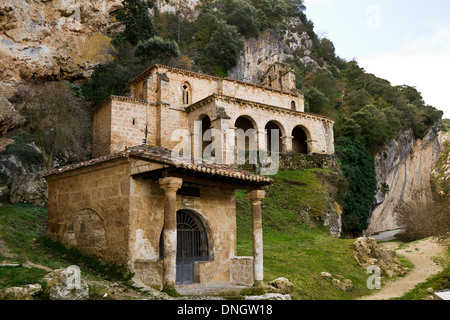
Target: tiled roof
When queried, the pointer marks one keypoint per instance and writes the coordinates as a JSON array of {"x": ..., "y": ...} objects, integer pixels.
[{"x": 164, "y": 156}]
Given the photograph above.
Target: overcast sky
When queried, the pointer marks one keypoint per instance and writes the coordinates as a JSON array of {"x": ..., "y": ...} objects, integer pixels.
[{"x": 403, "y": 41}]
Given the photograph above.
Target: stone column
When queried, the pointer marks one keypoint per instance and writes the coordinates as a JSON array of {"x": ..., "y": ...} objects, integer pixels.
[
  {"x": 258, "y": 270},
  {"x": 287, "y": 144},
  {"x": 170, "y": 187}
]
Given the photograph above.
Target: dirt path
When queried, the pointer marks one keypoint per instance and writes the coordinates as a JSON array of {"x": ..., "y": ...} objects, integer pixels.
[{"x": 422, "y": 255}]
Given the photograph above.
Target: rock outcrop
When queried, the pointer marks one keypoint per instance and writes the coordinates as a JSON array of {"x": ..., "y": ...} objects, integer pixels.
[
  {"x": 270, "y": 47},
  {"x": 369, "y": 253},
  {"x": 441, "y": 174},
  {"x": 53, "y": 39},
  {"x": 403, "y": 173},
  {"x": 27, "y": 292},
  {"x": 10, "y": 118},
  {"x": 66, "y": 284},
  {"x": 281, "y": 285},
  {"x": 29, "y": 188}
]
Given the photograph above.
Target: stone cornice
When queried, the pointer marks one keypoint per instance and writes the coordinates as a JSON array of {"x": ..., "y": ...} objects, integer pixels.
[{"x": 120, "y": 98}]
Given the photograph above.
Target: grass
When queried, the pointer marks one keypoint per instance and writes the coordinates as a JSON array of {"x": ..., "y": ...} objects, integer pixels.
[
  {"x": 300, "y": 249},
  {"x": 22, "y": 228},
  {"x": 303, "y": 256},
  {"x": 294, "y": 248}
]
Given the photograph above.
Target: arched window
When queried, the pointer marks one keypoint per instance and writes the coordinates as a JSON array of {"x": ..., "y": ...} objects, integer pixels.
[
  {"x": 187, "y": 94},
  {"x": 293, "y": 106}
]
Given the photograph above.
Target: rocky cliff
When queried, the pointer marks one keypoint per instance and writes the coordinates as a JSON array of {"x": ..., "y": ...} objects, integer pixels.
[
  {"x": 403, "y": 170},
  {"x": 272, "y": 46},
  {"x": 68, "y": 39},
  {"x": 53, "y": 39}
]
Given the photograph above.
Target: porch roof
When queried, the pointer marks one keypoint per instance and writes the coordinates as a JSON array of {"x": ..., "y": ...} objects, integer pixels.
[{"x": 203, "y": 171}]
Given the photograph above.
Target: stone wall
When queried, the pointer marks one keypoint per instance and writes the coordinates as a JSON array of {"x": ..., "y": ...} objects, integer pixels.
[
  {"x": 157, "y": 104},
  {"x": 88, "y": 209},
  {"x": 242, "y": 271},
  {"x": 215, "y": 208},
  {"x": 165, "y": 85},
  {"x": 103, "y": 211}
]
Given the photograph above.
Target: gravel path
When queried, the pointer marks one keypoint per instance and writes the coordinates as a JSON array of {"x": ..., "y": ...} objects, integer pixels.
[{"x": 422, "y": 255}]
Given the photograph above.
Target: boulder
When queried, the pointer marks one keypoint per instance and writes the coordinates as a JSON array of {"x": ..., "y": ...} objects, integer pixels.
[
  {"x": 344, "y": 285},
  {"x": 270, "y": 296},
  {"x": 29, "y": 188},
  {"x": 368, "y": 253},
  {"x": 66, "y": 284},
  {"x": 27, "y": 292},
  {"x": 282, "y": 286},
  {"x": 10, "y": 118}
]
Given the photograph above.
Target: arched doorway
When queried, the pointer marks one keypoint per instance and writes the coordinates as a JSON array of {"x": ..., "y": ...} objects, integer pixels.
[
  {"x": 271, "y": 125},
  {"x": 299, "y": 141},
  {"x": 192, "y": 245}
]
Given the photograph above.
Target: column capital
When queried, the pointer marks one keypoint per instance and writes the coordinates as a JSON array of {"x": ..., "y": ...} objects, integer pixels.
[
  {"x": 170, "y": 184},
  {"x": 256, "y": 195},
  {"x": 287, "y": 138}
]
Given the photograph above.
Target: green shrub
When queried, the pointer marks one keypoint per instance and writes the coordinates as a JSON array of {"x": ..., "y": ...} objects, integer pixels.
[{"x": 359, "y": 168}]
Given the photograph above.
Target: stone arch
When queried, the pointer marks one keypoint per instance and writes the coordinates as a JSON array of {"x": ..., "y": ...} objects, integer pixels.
[
  {"x": 201, "y": 221},
  {"x": 194, "y": 243},
  {"x": 206, "y": 125},
  {"x": 301, "y": 137},
  {"x": 86, "y": 231},
  {"x": 246, "y": 133},
  {"x": 274, "y": 125},
  {"x": 186, "y": 95}
]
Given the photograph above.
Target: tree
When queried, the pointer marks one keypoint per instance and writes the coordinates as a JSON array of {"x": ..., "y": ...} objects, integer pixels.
[
  {"x": 136, "y": 18},
  {"x": 374, "y": 127},
  {"x": 157, "y": 49},
  {"x": 317, "y": 101},
  {"x": 358, "y": 166},
  {"x": 247, "y": 19},
  {"x": 113, "y": 78},
  {"x": 60, "y": 121},
  {"x": 223, "y": 47}
]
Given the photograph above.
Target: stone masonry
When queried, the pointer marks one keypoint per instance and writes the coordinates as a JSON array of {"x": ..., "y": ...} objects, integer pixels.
[{"x": 151, "y": 201}]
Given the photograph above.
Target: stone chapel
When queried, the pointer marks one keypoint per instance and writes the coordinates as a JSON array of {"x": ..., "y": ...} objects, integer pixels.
[{"x": 174, "y": 222}]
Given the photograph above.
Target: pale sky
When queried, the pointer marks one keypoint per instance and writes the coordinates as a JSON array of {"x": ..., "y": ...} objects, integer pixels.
[{"x": 404, "y": 42}]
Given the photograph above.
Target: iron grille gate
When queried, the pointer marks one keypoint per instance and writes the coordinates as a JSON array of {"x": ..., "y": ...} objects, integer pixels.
[
  {"x": 192, "y": 245},
  {"x": 188, "y": 251}
]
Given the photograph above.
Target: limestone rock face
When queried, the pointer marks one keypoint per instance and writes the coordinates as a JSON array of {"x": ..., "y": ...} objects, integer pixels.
[
  {"x": 368, "y": 253},
  {"x": 30, "y": 188},
  {"x": 441, "y": 174},
  {"x": 66, "y": 284},
  {"x": 53, "y": 39},
  {"x": 10, "y": 118},
  {"x": 404, "y": 168},
  {"x": 271, "y": 47}
]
